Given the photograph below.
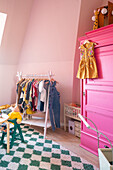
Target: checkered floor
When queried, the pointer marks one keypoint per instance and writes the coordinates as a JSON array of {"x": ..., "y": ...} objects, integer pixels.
[{"x": 40, "y": 154}]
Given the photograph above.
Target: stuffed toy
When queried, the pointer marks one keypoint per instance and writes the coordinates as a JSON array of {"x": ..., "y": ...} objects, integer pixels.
[{"x": 95, "y": 19}]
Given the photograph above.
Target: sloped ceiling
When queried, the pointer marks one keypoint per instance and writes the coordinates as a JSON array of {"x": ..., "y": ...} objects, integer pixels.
[
  {"x": 18, "y": 13},
  {"x": 50, "y": 36}
]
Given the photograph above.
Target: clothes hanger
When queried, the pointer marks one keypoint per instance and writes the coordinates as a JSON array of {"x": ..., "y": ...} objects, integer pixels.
[
  {"x": 52, "y": 80},
  {"x": 87, "y": 41}
]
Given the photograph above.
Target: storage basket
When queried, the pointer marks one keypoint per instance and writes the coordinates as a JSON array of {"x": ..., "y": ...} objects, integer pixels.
[{"x": 72, "y": 110}]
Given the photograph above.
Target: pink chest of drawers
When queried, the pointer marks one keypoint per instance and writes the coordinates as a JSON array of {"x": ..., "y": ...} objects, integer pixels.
[{"x": 97, "y": 94}]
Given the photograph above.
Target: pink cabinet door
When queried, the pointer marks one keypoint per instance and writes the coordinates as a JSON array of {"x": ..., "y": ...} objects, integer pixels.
[{"x": 97, "y": 101}]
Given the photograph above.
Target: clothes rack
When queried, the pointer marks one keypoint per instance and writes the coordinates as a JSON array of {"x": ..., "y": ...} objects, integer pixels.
[{"x": 38, "y": 121}]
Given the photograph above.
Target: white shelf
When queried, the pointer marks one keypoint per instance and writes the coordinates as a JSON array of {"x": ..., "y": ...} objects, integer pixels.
[
  {"x": 36, "y": 122},
  {"x": 73, "y": 117}
]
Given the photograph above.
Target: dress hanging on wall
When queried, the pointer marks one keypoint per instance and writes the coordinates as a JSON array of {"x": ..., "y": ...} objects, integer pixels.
[{"x": 87, "y": 66}]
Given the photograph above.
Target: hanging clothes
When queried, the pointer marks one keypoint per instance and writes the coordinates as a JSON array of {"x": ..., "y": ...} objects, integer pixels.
[
  {"x": 34, "y": 96},
  {"x": 42, "y": 97},
  {"x": 19, "y": 88},
  {"x": 54, "y": 106},
  {"x": 22, "y": 85},
  {"x": 87, "y": 66}
]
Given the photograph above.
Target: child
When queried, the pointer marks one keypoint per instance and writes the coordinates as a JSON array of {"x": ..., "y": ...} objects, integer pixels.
[{"x": 15, "y": 114}]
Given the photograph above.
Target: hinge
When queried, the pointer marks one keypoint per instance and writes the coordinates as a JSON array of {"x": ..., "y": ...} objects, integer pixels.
[{"x": 83, "y": 93}]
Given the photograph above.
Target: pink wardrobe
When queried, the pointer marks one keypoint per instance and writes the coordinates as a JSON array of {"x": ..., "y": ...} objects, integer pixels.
[{"x": 97, "y": 94}]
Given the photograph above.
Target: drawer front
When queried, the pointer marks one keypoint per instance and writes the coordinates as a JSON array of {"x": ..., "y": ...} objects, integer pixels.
[
  {"x": 77, "y": 124},
  {"x": 77, "y": 129},
  {"x": 77, "y": 134}
]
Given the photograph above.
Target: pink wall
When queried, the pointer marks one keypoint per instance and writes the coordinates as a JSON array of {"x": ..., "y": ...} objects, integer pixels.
[
  {"x": 85, "y": 24},
  {"x": 40, "y": 36},
  {"x": 49, "y": 43},
  {"x": 7, "y": 83},
  {"x": 11, "y": 44},
  {"x": 105, "y": 2}
]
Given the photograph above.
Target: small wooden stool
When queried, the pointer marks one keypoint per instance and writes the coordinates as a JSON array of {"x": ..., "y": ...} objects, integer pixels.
[{"x": 13, "y": 133}]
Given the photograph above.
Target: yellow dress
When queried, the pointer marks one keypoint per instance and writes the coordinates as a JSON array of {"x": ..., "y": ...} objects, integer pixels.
[{"x": 87, "y": 66}]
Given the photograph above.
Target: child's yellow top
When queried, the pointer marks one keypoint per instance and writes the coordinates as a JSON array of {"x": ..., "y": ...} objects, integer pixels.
[
  {"x": 15, "y": 115},
  {"x": 87, "y": 66}
]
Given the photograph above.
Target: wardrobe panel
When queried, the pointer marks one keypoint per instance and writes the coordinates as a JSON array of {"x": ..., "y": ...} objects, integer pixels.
[
  {"x": 100, "y": 124},
  {"x": 89, "y": 142},
  {"x": 97, "y": 94},
  {"x": 101, "y": 99},
  {"x": 104, "y": 57}
]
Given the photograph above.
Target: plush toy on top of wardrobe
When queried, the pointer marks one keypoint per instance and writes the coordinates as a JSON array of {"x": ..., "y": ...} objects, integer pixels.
[{"x": 103, "y": 16}]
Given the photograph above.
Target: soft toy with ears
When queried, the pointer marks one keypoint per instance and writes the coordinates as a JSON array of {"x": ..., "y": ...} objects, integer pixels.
[{"x": 95, "y": 19}]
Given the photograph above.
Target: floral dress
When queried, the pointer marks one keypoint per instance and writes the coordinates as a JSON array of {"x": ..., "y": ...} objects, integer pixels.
[{"x": 87, "y": 66}]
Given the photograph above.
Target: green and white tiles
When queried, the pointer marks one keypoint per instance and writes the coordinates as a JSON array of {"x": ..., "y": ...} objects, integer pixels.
[{"x": 40, "y": 154}]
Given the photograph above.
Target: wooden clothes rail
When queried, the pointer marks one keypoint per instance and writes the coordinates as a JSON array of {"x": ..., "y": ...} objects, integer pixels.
[{"x": 35, "y": 119}]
